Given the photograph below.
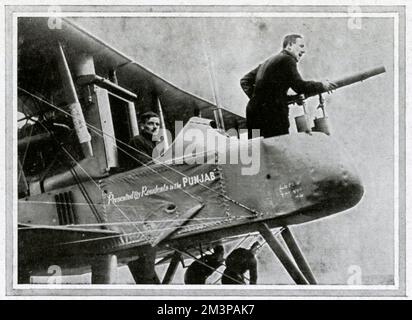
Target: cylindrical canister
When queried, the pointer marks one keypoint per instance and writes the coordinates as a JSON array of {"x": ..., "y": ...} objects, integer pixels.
[
  {"x": 302, "y": 124},
  {"x": 321, "y": 125}
]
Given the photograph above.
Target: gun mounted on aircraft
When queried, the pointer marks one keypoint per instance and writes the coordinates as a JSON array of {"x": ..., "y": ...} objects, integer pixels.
[{"x": 320, "y": 124}]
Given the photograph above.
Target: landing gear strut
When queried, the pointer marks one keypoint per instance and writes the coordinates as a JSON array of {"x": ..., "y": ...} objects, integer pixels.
[
  {"x": 104, "y": 269},
  {"x": 298, "y": 255},
  {"x": 298, "y": 269},
  {"x": 143, "y": 269},
  {"x": 171, "y": 270}
]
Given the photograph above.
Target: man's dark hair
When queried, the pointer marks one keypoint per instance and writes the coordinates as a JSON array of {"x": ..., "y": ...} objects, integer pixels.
[
  {"x": 290, "y": 38},
  {"x": 147, "y": 115}
]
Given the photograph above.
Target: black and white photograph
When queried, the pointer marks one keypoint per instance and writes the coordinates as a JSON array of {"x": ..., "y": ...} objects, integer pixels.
[{"x": 205, "y": 150}]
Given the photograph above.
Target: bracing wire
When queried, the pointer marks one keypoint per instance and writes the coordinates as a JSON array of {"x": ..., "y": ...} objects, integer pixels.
[{"x": 100, "y": 132}]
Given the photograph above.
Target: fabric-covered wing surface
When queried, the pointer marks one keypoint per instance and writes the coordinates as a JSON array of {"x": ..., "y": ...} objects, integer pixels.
[
  {"x": 37, "y": 44},
  {"x": 34, "y": 241}
]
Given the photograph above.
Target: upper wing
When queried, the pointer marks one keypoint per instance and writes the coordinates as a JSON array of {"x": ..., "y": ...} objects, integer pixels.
[{"x": 36, "y": 58}]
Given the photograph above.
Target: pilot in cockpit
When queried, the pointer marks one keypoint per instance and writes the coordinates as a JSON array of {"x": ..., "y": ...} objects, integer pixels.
[{"x": 141, "y": 147}]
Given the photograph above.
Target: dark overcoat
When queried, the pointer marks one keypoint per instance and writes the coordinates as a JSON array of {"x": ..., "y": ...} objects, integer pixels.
[{"x": 267, "y": 87}]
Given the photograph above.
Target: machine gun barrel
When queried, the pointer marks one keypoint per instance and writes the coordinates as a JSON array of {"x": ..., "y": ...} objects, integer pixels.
[{"x": 343, "y": 82}]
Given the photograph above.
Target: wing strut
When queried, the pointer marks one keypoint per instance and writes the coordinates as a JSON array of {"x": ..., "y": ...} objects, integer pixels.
[
  {"x": 74, "y": 105},
  {"x": 282, "y": 255}
]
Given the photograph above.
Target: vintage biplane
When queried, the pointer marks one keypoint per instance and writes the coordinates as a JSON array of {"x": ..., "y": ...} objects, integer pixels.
[{"x": 80, "y": 209}]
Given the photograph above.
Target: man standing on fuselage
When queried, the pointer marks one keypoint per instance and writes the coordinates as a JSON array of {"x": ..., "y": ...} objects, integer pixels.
[{"x": 267, "y": 87}]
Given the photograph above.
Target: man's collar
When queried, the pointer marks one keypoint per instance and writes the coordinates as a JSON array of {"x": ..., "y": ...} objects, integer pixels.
[
  {"x": 288, "y": 53},
  {"x": 146, "y": 135}
]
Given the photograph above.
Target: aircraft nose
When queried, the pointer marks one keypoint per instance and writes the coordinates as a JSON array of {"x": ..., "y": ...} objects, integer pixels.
[
  {"x": 341, "y": 189},
  {"x": 320, "y": 177}
]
